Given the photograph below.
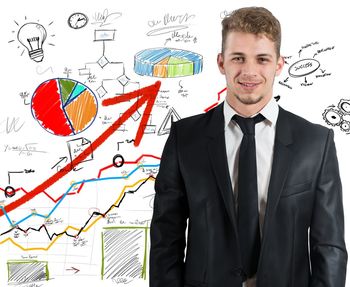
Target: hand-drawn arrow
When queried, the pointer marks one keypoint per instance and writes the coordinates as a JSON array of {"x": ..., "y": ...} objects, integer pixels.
[
  {"x": 145, "y": 95},
  {"x": 74, "y": 269}
]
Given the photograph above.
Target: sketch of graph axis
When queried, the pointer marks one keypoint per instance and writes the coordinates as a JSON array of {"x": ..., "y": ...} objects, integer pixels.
[
  {"x": 167, "y": 63},
  {"x": 124, "y": 252},
  {"x": 27, "y": 271},
  {"x": 168, "y": 120}
]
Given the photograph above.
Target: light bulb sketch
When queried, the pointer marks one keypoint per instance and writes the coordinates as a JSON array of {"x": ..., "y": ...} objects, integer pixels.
[{"x": 32, "y": 36}]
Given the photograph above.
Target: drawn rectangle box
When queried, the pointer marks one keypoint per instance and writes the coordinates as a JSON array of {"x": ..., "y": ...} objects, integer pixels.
[
  {"x": 79, "y": 145},
  {"x": 150, "y": 129},
  {"x": 84, "y": 72},
  {"x": 104, "y": 35},
  {"x": 124, "y": 252},
  {"x": 27, "y": 271}
]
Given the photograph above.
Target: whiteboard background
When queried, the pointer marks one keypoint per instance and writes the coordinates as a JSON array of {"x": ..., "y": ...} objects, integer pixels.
[{"x": 303, "y": 22}]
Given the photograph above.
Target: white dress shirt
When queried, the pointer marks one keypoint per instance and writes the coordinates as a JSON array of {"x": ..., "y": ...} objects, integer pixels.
[{"x": 264, "y": 141}]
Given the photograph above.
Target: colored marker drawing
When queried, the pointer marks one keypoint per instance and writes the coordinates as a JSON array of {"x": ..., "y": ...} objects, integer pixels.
[
  {"x": 64, "y": 107},
  {"x": 167, "y": 63}
]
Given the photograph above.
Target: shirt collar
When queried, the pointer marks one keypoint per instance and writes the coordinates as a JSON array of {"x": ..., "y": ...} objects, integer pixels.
[{"x": 269, "y": 111}]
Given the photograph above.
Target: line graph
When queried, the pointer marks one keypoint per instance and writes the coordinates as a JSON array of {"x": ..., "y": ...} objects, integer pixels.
[
  {"x": 55, "y": 200},
  {"x": 11, "y": 222},
  {"x": 95, "y": 213},
  {"x": 87, "y": 226}
]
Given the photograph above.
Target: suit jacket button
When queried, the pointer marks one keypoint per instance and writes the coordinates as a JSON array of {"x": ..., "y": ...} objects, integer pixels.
[{"x": 239, "y": 273}]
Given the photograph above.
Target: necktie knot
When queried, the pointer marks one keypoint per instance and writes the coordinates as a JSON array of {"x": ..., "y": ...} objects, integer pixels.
[{"x": 247, "y": 125}]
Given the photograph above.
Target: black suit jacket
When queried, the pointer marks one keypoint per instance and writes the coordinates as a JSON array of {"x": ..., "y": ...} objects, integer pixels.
[{"x": 303, "y": 235}]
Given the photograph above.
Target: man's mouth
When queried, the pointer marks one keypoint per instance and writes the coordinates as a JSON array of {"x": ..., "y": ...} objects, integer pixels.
[{"x": 248, "y": 84}]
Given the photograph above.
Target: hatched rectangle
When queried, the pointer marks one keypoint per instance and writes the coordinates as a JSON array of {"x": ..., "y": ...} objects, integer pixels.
[{"x": 27, "y": 271}]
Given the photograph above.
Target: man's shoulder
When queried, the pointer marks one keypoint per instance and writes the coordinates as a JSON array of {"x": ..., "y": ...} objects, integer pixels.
[
  {"x": 301, "y": 126},
  {"x": 199, "y": 120}
]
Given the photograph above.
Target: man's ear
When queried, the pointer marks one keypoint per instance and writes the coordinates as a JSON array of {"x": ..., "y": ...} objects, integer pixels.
[
  {"x": 279, "y": 66},
  {"x": 220, "y": 62}
]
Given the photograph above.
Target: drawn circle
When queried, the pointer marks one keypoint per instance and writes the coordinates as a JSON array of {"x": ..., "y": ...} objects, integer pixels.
[
  {"x": 118, "y": 160},
  {"x": 332, "y": 117},
  {"x": 64, "y": 107},
  {"x": 9, "y": 191},
  {"x": 345, "y": 126},
  {"x": 344, "y": 106},
  {"x": 77, "y": 20},
  {"x": 303, "y": 68}
]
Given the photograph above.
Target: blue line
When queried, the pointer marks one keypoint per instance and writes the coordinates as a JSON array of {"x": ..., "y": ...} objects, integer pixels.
[
  {"x": 65, "y": 194},
  {"x": 24, "y": 219},
  {"x": 8, "y": 218}
]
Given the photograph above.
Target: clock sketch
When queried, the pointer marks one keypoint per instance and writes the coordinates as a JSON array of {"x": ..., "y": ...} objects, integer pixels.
[{"x": 77, "y": 20}]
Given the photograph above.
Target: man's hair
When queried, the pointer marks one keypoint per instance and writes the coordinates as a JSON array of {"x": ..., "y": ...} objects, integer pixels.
[{"x": 255, "y": 20}]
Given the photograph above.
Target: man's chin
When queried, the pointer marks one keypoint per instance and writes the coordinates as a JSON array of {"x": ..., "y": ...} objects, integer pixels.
[{"x": 249, "y": 100}]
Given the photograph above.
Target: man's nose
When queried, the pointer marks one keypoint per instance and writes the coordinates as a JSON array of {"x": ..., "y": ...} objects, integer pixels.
[{"x": 249, "y": 68}]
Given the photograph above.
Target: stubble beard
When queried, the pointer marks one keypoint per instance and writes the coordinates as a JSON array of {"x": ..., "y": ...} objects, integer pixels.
[{"x": 249, "y": 100}]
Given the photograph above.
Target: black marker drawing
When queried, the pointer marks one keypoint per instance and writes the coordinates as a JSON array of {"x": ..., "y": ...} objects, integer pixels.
[
  {"x": 307, "y": 67},
  {"x": 32, "y": 36},
  {"x": 172, "y": 116},
  {"x": 105, "y": 18},
  {"x": 77, "y": 20},
  {"x": 121, "y": 81},
  {"x": 177, "y": 22},
  {"x": 118, "y": 160},
  {"x": 63, "y": 160},
  {"x": 9, "y": 191},
  {"x": 338, "y": 116},
  {"x": 24, "y": 96},
  {"x": 25, "y": 171},
  {"x": 150, "y": 128}
]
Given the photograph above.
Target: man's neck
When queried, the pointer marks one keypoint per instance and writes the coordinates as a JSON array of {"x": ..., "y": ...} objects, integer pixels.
[{"x": 247, "y": 110}]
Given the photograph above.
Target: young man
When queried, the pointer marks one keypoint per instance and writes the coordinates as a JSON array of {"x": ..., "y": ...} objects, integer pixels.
[{"x": 259, "y": 186}]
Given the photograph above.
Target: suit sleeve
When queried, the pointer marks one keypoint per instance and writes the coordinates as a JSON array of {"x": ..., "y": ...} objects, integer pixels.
[
  {"x": 327, "y": 246},
  {"x": 169, "y": 221}
]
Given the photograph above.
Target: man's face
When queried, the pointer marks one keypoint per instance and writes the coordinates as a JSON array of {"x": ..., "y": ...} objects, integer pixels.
[{"x": 250, "y": 65}]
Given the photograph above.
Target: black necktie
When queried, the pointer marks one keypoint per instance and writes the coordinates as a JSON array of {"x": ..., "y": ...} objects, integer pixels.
[{"x": 248, "y": 214}]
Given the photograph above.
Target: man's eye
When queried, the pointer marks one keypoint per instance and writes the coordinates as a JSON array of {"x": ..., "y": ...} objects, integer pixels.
[
  {"x": 237, "y": 59},
  {"x": 263, "y": 60}
]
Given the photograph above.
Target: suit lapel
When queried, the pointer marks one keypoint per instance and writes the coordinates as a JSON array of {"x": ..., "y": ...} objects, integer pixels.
[
  {"x": 282, "y": 157},
  {"x": 218, "y": 159}
]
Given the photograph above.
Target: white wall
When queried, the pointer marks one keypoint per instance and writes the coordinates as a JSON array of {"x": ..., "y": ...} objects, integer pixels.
[{"x": 307, "y": 26}]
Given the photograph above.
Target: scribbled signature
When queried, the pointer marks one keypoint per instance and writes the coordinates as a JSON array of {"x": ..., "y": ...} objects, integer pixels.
[{"x": 105, "y": 18}]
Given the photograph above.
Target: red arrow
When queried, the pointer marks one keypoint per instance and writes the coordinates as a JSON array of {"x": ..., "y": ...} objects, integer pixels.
[{"x": 146, "y": 95}]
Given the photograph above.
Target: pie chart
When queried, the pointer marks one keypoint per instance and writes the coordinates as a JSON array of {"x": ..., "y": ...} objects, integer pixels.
[
  {"x": 64, "y": 107},
  {"x": 167, "y": 63}
]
